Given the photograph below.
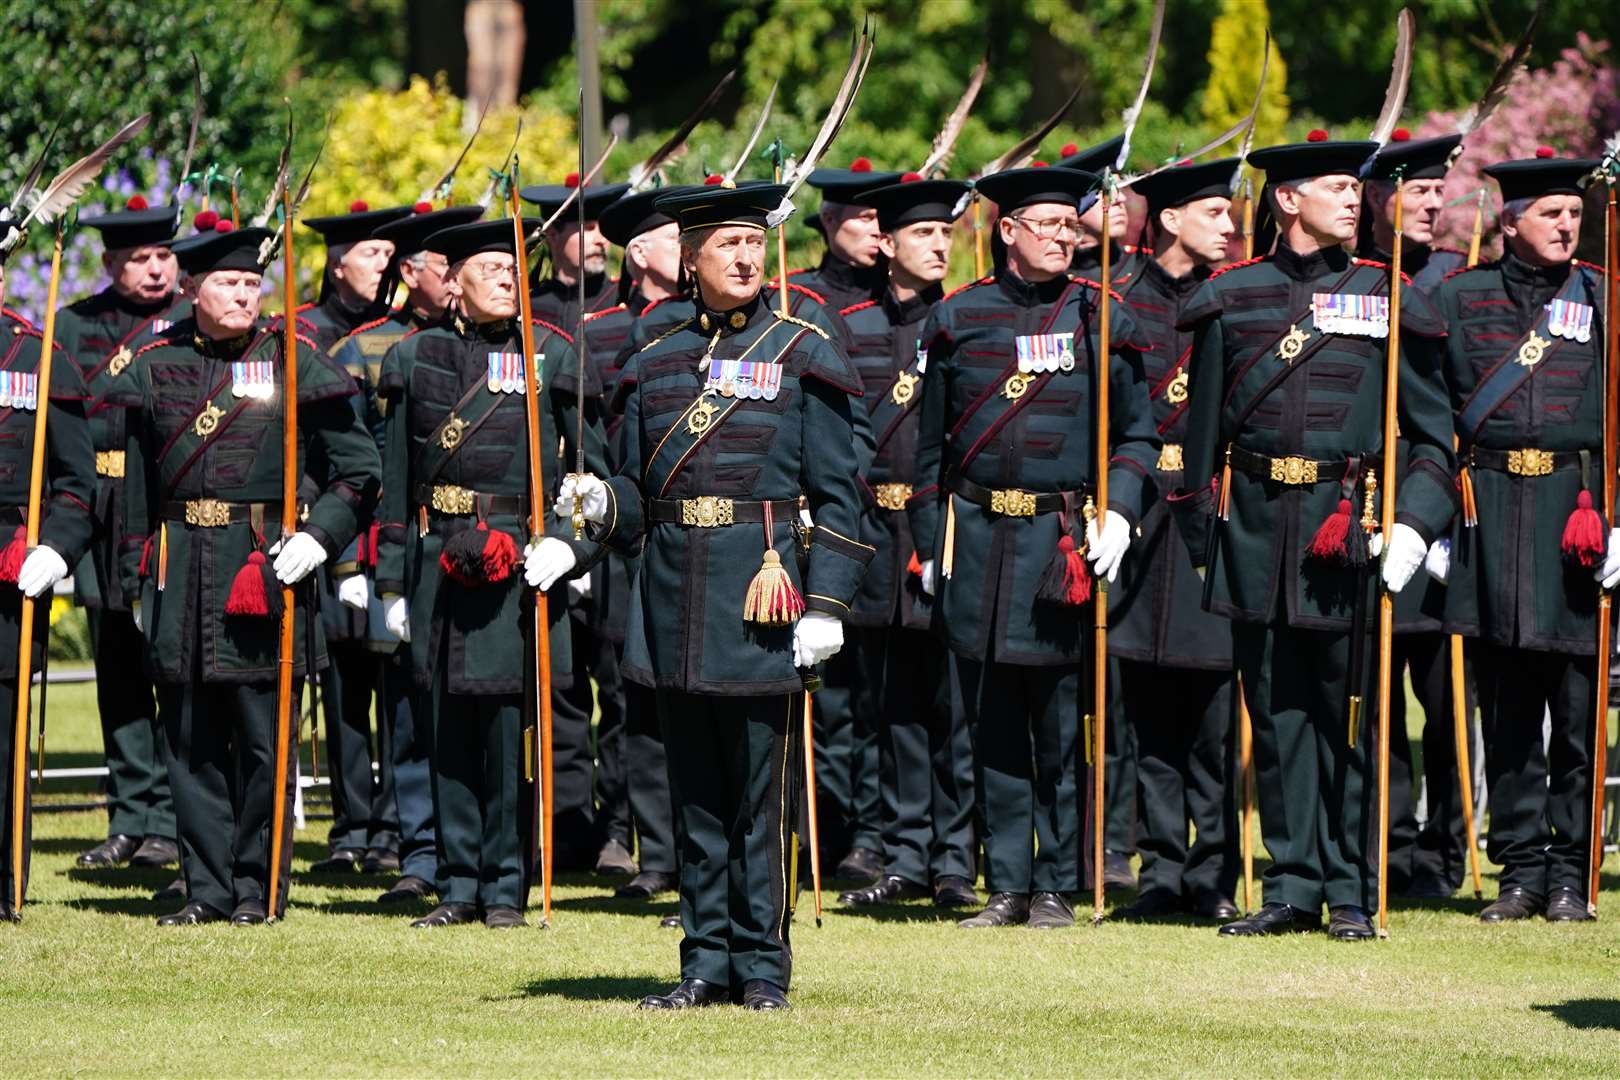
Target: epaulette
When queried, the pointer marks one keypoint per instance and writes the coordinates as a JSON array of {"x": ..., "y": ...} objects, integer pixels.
[
  {"x": 566, "y": 336},
  {"x": 1376, "y": 265},
  {"x": 310, "y": 342},
  {"x": 987, "y": 279},
  {"x": 801, "y": 270},
  {"x": 807, "y": 325},
  {"x": 372, "y": 325},
  {"x": 795, "y": 287},
  {"x": 305, "y": 307},
  {"x": 149, "y": 346},
  {"x": 862, "y": 306},
  {"x": 1236, "y": 266},
  {"x": 589, "y": 315},
  {"x": 13, "y": 315},
  {"x": 1466, "y": 269},
  {"x": 1594, "y": 267},
  {"x": 1448, "y": 250},
  {"x": 1094, "y": 285},
  {"x": 655, "y": 303},
  {"x": 672, "y": 331}
]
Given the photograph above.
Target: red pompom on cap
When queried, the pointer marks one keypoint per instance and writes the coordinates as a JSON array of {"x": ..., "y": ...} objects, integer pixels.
[
  {"x": 571, "y": 180},
  {"x": 1400, "y": 135},
  {"x": 861, "y": 164},
  {"x": 910, "y": 177},
  {"x": 1545, "y": 152},
  {"x": 1037, "y": 165},
  {"x": 713, "y": 180},
  {"x": 423, "y": 207},
  {"x": 1317, "y": 135},
  {"x": 223, "y": 225},
  {"x": 205, "y": 220},
  {"x": 359, "y": 206},
  {"x": 1069, "y": 150},
  {"x": 137, "y": 202}
]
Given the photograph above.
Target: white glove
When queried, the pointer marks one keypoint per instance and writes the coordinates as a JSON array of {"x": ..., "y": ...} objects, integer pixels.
[
  {"x": 928, "y": 577},
  {"x": 135, "y": 610},
  {"x": 397, "y": 618},
  {"x": 593, "y": 495},
  {"x": 296, "y": 556},
  {"x": 354, "y": 591},
  {"x": 579, "y": 588},
  {"x": 1107, "y": 551},
  {"x": 545, "y": 562},
  {"x": 816, "y": 637},
  {"x": 1438, "y": 561},
  {"x": 42, "y": 569},
  {"x": 1608, "y": 574},
  {"x": 1406, "y": 553}
]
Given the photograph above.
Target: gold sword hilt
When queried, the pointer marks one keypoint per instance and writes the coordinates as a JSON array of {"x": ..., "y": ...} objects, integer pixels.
[{"x": 577, "y": 518}]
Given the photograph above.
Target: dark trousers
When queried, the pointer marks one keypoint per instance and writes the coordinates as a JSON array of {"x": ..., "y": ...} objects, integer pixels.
[
  {"x": 573, "y": 762},
  {"x": 1314, "y": 797},
  {"x": 847, "y": 797},
  {"x": 613, "y": 815},
  {"x": 1439, "y": 849},
  {"x": 1025, "y": 723},
  {"x": 480, "y": 797},
  {"x": 1540, "y": 800},
  {"x": 1119, "y": 791},
  {"x": 364, "y": 814},
  {"x": 219, "y": 747},
  {"x": 138, "y": 799},
  {"x": 647, "y": 781},
  {"x": 8, "y": 702},
  {"x": 925, "y": 754},
  {"x": 410, "y": 746},
  {"x": 1183, "y": 720},
  {"x": 734, "y": 764}
]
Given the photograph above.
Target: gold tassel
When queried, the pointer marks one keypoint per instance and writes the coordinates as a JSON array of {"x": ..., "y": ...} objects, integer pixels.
[
  {"x": 947, "y": 557},
  {"x": 772, "y": 600},
  {"x": 1369, "y": 510},
  {"x": 163, "y": 556},
  {"x": 1224, "y": 496},
  {"x": 1470, "y": 509}
]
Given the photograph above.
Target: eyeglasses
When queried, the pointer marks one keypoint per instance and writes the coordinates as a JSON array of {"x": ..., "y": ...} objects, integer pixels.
[
  {"x": 491, "y": 271},
  {"x": 1049, "y": 228}
]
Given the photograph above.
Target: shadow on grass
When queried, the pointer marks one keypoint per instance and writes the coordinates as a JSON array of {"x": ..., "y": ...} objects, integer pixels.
[
  {"x": 611, "y": 905},
  {"x": 889, "y": 913},
  {"x": 628, "y": 989},
  {"x": 1587, "y": 1014},
  {"x": 138, "y": 905},
  {"x": 404, "y": 912}
]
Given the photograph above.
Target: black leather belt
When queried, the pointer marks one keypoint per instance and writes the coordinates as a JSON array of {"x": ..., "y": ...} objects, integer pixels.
[
  {"x": 458, "y": 501},
  {"x": 217, "y": 513},
  {"x": 1291, "y": 470},
  {"x": 1011, "y": 502},
  {"x": 713, "y": 511},
  {"x": 11, "y": 515},
  {"x": 1526, "y": 462}
]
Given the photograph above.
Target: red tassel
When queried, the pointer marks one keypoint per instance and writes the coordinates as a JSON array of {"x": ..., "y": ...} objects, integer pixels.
[
  {"x": 1329, "y": 542},
  {"x": 1583, "y": 533},
  {"x": 1067, "y": 578},
  {"x": 146, "y": 555},
  {"x": 11, "y": 559},
  {"x": 254, "y": 592},
  {"x": 500, "y": 554},
  {"x": 913, "y": 566},
  {"x": 479, "y": 556}
]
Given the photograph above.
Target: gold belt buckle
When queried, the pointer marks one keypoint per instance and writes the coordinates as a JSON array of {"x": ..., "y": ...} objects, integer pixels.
[
  {"x": 1530, "y": 462},
  {"x": 110, "y": 463},
  {"x": 453, "y": 499},
  {"x": 1293, "y": 470},
  {"x": 707, "y": 512},
  {"x": 892, "y": 496},
  {"x": 1170, "y": 458},
  {"x": 1010, "y": 502},
  {"x": 208, "y": 513}
]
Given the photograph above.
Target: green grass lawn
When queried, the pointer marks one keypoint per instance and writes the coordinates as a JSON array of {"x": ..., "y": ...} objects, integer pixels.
[{"x": 88, "y": 985}]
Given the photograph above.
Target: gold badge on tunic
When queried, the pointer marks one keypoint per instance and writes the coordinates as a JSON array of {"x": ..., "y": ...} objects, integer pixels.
[
  {"x": 905, "y": 387},
  {"x": 701, "y": 416},
  {"x": 1291, "y": 346},
  {"x": 1017, "y": 384},
  {"x": 1176, "y": 392},
  {"x": 1532, "y": 351},
  {"x": 454, "y": 429},
  {"x": 208, "y": 420},
  {"x": 119, "y": 361}
]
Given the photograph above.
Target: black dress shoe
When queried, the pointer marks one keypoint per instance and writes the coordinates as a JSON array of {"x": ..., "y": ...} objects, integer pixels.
[
  {"x": 174, "y": 890},
  {"x": 407, "y": 890},
  {"x": 1117, "y": 872},
  {"x": 615, "y": 858},
  {"x": 500, "y": 917},
  {"x": 1566, "y": 904},
  {"x": 1153, "y": 904},
  {"x": 193, "y": 914},
  {"x": 1210, "y": 904},
  {"x": 1050, "y": 911},
  {"x": 8, "y": 913},
  {"x": 1003, "y": 909},
  {"x": 447, "y": 915},
  {"x": 1514, "y": 903},
  {"x": 951, "y": 891},
  {"x": 380, "y": 861},
  {"x": 249, "y": 913},
  {"x": 762, "y": 994},
  {"x": 689, "y": 994},
  {"x": 670, "y": 922},
  {"x": 345, "y": 860},
  {"x": 1273, "y": 919},
  {"x": 861, "y": 864},
  {"x": 888, "y": 891},
  {"x": 645, "y": 885},
  {"x": 1348, "y": 922},
  {"x": 156, "y": 851},
  {"x": 113, "y": 851}
]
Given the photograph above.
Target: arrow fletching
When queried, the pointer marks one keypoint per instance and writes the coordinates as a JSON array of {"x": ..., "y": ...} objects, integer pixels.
[
  {"x": 939, "y": 155},
  {"x": 441, "y": 187},
  {"x": 63, "y": 191},
  {"x": 641, "y": 175},
  {"x": 1400, "y": 77},
  {"x": 1134, "y": 113}
]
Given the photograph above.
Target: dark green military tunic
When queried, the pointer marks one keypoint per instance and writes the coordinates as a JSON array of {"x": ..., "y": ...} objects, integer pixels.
[
  {"x": 203, "y": 481},
  {"x": 1126, "y": 263},
  {"x": 839, "y": 284},
  {"x": 1292, "y": 400},
  {"x": 728, "y": 689},
  {"x": 1012, "y": 452},
  {"x": 471, "y": 644},
  {"x": 558, "y": 304},
  {"x": 66, "y": 525},
  {"x": 102, "y": 333},
  {"x": 1529, "y": 416}
]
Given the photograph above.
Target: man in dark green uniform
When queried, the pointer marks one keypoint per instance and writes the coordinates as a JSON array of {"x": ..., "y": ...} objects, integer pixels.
[
  {"x": 1286, "y": 406},
  {"x": 729, "y": 419},
  {"x": 455, "y": 508},
  {"x": 64, "y": 535},
  {"x": 1525, "y": 365},
  {"x": 1425, "y": 863},
  {"x": 102, "y": 333},
  {"x": 902, "y": 686},
  {"x": 555, "y": 298},
  {"x": 1175, "y": 659},
  {"x": 1127, "y": 260},
  {"x": 395, "y": 824},
  {"x": 203, "y": 556},
  {"x": 1006, "y": 468}
]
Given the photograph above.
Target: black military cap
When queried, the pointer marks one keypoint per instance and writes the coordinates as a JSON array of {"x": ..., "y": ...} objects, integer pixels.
[
  {"x": 136, "y": 225},
  {"x": 633, "y": 214},
  {"x": 914, "y": 199},
  {"x": 597, "y": 197},
  {"x": 1093, "y": 159},
  {"x": 845, "y": 185},
  {"x": 1318, "y": 155},
  {"x": 1185, "y": 182},
  {"x": 747, "y": 204},
  {"x": 221, "y": 248},
  {"x": 1544, "y": 174},
  {"x": 357, "y": 225},
  {"x": 460, "y": 242},
  {"x": 1407, "y": 158},
  {"x": 409, "y": 234},
  {"x": 1016, "y": 188}
]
